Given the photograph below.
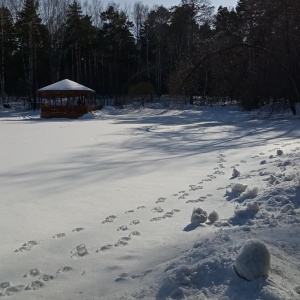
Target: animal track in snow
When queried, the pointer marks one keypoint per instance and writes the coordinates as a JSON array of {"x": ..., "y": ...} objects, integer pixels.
[
  {"x": 27, "y": 246},
  {"x": 35, "y": 285},
  {"x": 135, "y": 222},
  {"x": 196, "y": 187},
  {"x": 219, "y": 173},
  {"x": 64, "y": 269},
  {"x": 33, "y": 273},
  {"x": 122, "y": 228},
  {"x": 141, "y": 207},
  {"x": 195, "y": 201},
  {"x": 168, "y": 214},
  {"x": 123, "y": 241},
  {"x": 104, "y": 248},
  {"x": 109, "y": 219},
  {"x": 12, "y": 290},
  {"x": 5, "y": 284},
  {"x": 46, "y": 277},
  {"x": 129, "y": 211},
  {"x": 78, "y": 229},
  {"x": 79, "y": 251},
  {"x": 156, "y": 219},
  {"x": 243, "y": 161},
  {"x": 161, "y": 200},
  {"x": 135, "y": 233},
  {"x": 59, "y": 235},
  {"x": 157, "y": 209},
  {"x": 183, "y": 196}
]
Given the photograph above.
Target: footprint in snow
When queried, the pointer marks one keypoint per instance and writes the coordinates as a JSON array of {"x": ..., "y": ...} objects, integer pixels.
[
  {"x": 243, "y": 161},
  {"x": 5, "y": 284},
  {"x": 64, "y": 269},
  {"x": 194, "y": 201},
  {"x": 104, "y": 248},
  {"x": 122, "y": 228},
  {"x": 129, "y": 211},
  {"x": 33, "y": 273},
  {"x": 135, "y": 222},
  {"x": 109, "y": 219},
  {"x": 59, "y": 235},
  {"x": 157, "y": 209},
  {"x": 156, "y": 219},
  {"x": 27, "y": 246},
  {"x": 161, "y": 200},
  {"x": 78, "y": 229},
  {"x": 174, "y": 195},
  {"x": 196, "y": 187},
  {"x": 180, "y": 192},
  {"x": 35, "y": 285},
  {"x": 135, "y": 233},
  {"x": 46, "y": 277},
  {"x": 183, "y": 196},
  {"x": 122, "y": 241},
  {"x": 79, "y": 251},
  {"x": 12, "y": 290},
  {"x": 141, "y": 207}
]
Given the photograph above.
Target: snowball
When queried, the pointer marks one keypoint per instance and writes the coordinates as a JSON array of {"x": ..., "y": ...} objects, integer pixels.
[
  {"x": 235, "y": 173},
  {"x": 198, "y": 219},
  {"x": 238, "y": 188},
  {"x": 279, "y": 152},
  {"x": 253, "y": 261},
  {"x": 213, "y": 217},
  {"x": 199, "y": 215}
]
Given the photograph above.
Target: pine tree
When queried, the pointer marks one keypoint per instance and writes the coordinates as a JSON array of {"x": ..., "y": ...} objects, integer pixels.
[{"x": 33, "y": 43}]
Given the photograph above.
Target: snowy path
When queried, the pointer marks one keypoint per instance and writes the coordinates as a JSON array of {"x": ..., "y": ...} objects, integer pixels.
[{"x": 92, "y": 208}]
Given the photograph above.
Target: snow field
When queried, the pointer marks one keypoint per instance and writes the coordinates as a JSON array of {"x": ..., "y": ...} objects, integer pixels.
[{"x": 101, "y": 207}]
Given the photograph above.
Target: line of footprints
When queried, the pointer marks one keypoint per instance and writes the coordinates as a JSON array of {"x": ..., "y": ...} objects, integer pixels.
[{"x": 7, "y": 289}]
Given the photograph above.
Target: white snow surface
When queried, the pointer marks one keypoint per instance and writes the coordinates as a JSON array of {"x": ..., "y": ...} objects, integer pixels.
[
  {"x": 100, "y": 207},
  {"x": 65, "y": 85}
]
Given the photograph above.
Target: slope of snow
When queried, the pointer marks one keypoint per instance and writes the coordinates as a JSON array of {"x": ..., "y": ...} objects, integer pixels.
[{"x": 100, "y": 207}]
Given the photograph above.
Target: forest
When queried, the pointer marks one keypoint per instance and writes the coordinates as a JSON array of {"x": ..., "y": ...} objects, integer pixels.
[{"x": 250, "y": 52}]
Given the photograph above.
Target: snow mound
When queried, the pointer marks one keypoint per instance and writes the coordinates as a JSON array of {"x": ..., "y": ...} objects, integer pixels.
[
  {"x": 238, "y": 188},
  {"x": 253, "y": 261},
  {"x": 249, "y": 193}
]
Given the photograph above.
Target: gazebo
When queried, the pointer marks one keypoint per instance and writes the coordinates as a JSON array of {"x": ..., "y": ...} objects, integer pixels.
[{"x": 66, "y": 99}]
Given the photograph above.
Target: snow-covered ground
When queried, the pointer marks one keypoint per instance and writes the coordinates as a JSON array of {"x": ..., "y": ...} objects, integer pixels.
[{"x": 100, "y": 207}]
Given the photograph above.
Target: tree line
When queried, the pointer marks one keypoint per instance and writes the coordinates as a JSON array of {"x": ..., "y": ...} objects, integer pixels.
[{"x": 250, "y": 52}]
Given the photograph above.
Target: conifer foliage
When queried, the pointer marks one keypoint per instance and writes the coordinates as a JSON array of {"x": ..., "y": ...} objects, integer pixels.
[{"x": 250, "y": 53}]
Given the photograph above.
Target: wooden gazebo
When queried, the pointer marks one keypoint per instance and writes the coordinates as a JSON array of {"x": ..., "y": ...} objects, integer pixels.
[{"x": 66, "y": 99}]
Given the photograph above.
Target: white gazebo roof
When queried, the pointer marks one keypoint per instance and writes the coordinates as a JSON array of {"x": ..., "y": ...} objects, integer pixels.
[{"x": 66, "y": 85}]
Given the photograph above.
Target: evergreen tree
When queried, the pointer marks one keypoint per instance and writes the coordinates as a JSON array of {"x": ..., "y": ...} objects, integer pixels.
[
  {"x": 33, "y": 43},
  {"x": 7, "y": 48}
]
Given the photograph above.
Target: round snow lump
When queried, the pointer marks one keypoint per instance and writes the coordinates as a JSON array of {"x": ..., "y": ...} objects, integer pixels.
[{"x": 253, "y": 260}]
